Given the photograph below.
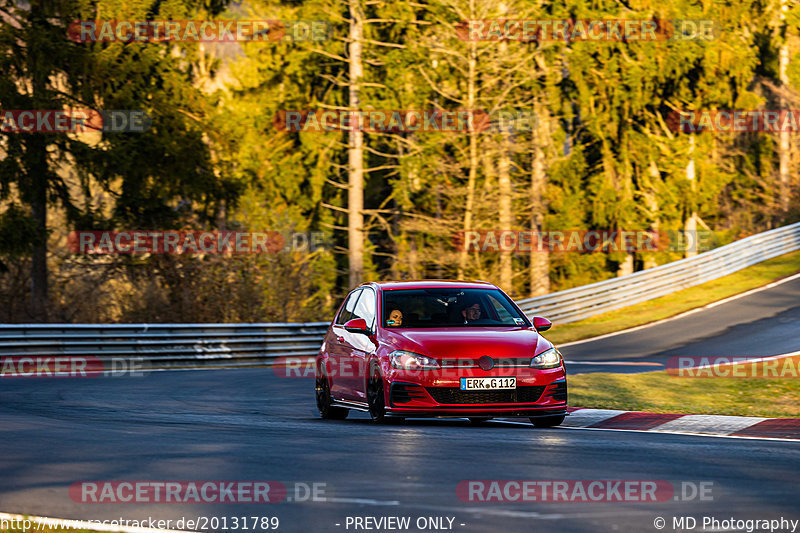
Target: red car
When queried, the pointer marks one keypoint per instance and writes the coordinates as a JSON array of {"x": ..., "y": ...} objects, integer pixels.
[{"x": 439, "y": 349}]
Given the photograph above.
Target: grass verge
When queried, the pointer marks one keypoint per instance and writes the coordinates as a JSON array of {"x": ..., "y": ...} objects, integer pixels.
[
  {"x": 660, "y": 392},
  {"x": 678, "y": 302}
]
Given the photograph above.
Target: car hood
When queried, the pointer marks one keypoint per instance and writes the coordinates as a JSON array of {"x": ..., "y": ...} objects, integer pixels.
[{"x": 469, "y": 342}]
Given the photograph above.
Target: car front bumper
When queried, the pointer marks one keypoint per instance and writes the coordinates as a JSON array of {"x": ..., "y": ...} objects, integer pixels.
[{"x": 537, "y": 394}]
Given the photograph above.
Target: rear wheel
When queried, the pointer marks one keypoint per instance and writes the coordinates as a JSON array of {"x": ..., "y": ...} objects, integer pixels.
[
  {"x": 547, "y": 421},
  {"x": 324, "y": 400},
  {"x": 375, "y": 397}
]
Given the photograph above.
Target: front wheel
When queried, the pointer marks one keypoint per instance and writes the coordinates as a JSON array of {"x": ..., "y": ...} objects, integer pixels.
[
  {"x": 324, "y": 401},
  {"x": 547, "y": 421},
  {"x": 375, "y": 397}
]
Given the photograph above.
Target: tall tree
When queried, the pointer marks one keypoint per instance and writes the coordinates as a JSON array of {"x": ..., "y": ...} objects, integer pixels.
[
  {"x": 355, "y": 153},
  {"x": 41, "y": 69}
]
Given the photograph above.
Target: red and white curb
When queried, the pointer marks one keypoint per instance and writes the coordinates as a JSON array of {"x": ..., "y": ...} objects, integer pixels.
[{"x": 718, "y": 425}]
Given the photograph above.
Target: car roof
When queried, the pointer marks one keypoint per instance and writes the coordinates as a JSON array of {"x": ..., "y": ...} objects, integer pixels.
[{"x": 433, "y": 284}]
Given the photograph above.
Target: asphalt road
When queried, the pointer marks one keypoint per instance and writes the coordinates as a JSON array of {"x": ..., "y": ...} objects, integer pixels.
[
  {"x": 763, "y": 323},
  {"x": 251, "y": 425}
]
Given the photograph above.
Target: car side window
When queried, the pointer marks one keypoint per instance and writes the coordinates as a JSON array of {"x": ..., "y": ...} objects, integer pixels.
[
  {"x": 502, "y": 313},
  {"x": 365, "y": 308},
  {"x": 347, "y": 309}
]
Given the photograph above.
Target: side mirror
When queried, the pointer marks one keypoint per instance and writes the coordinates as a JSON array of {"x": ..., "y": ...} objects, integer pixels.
[
  {"x": 540, "y": 323},
  {"x": 357, "y": 325}
]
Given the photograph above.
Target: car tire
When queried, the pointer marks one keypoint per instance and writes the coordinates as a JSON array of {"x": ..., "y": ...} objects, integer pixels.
[
  {"x": 376, "y": 400},
  {"x": 547, "y": 421},
  {"x": 324, "y": 401},
  {"x": 478, "y": 420}
]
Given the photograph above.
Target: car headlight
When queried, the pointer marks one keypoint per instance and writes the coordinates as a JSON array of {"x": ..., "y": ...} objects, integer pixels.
[
  {"x": 412, "y": 361},
  {"x": 547, "y": 359}
]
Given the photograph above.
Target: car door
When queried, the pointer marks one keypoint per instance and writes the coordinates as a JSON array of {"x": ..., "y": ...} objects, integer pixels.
[
  {"x": 360, "y": 346},
  {"x": 339, "y": 349}
]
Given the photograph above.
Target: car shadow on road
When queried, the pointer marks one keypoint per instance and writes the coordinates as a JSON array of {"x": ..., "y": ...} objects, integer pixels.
[{"x": 521, "y": 423}]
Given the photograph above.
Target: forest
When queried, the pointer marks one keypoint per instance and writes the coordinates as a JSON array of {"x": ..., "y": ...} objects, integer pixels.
[{"x": 372, "y": 139}]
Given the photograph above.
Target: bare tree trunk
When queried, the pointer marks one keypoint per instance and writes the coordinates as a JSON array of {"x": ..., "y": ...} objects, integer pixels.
[
  {"x": 540, "y": 260},
  {"x": 783, "y": 142},
  {"x": 625, "y": 268},
  {"x": 690, "y": 226},
  {"x": 355, "y": 152},
  {"x": 39, "y": 173},
  {"x": 652, "y": 205},
  {"x": 413, "y": 258},
  {"x": 39, "y": 275},
  {"x": 506, "y": 218},
  {"x": 473, "y": 148}
]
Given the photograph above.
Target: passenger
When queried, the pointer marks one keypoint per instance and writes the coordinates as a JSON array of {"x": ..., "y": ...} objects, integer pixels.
[
  {"x": 395, "y": 319},
  {"x": 471, "y": 313}
]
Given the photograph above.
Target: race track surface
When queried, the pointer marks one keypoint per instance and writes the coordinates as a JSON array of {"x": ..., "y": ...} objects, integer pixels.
[
  {"x": 252, "y": 425},
  {"x": 763, "y": 323}
]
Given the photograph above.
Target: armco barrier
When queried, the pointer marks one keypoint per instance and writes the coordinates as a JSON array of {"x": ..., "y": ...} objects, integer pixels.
[
  {"x": 190, "y": 345},
  {"x": 166, "y": 345},
  {"x": 589, "y": 300}
]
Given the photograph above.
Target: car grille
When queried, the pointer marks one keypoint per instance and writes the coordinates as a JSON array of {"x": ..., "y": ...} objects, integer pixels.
[
  {"x": 499, "y": 362},
  {"x": 455, "y": 395}
]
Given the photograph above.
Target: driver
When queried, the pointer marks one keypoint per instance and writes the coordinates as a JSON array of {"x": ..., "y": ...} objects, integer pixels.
[
  {"x": 395, "y": 318},
  {"x": 471, "y": 313}
]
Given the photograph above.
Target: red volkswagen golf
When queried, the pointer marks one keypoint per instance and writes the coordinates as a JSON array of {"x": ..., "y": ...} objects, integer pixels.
[{"x": 439, "y": 349}]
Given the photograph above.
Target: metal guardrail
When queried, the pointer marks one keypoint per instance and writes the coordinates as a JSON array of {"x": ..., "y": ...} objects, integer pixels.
[
  {"x": 191, "y": 345},
  {"x": 589, "y": 300},
  {"x": 166, "y": 345}
]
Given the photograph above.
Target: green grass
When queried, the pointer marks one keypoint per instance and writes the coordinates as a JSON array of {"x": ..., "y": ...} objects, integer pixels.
[
  {"x": 678, "y": 302},
  {"x": 661, "y": 392}
]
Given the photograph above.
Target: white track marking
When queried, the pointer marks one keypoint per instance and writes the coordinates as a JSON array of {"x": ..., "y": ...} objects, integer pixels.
[
  {"x": 736, "y": 360},
  {"x": 364, "y": 501},
  {"x": 587, "y": 417},
  {"x": 774, "y": 439},
  {"x": 693, "y": 425},
  {"x": 714, "y": 424}
]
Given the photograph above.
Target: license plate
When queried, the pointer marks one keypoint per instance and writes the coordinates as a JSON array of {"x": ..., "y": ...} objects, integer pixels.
[{"x": 488, "y": 383}]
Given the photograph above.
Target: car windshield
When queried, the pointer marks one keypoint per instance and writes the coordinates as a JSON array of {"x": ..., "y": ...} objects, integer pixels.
[{"x": 436, "y": 308}]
